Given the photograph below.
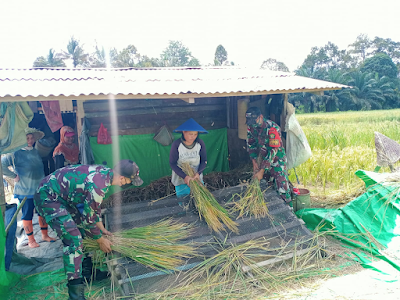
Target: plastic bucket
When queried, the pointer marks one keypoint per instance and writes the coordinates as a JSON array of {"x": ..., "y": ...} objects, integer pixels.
[{"x": 302, "y": 200}]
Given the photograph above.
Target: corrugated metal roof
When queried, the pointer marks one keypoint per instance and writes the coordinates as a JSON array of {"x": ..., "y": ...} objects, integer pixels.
[{"x": 151, "y": 82}]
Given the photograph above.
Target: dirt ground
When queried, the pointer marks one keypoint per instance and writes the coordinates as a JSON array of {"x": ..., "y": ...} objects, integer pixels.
[{"x": 364, "y": 284}]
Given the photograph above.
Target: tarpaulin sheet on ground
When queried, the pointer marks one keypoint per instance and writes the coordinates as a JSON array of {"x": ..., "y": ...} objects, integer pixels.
[
  {"x": 153, "y": 158},
  {"x": 370, "y": 222}
]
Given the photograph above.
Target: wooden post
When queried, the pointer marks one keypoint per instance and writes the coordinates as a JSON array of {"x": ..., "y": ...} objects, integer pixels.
[
  {"x": 80, "y": 113},
  {"x": 228, "y": 112},
  {"x": 242, "y": 108},
  {"x": 284, "y": 112}
]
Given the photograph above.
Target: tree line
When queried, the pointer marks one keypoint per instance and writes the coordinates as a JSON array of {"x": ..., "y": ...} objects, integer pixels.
[
  {"x": 370, "y": 66},
  {"x": 174, "y": 55}
]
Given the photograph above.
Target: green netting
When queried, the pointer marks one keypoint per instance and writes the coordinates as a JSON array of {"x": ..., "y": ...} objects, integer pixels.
[
  {"x": 370, "y": 222},
  {"x": 153, "y": 158},
  {"x": 53, "y": 285}
]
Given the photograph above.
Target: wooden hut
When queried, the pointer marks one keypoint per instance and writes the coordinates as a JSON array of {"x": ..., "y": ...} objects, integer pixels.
[{"x": 132, "y": 103}]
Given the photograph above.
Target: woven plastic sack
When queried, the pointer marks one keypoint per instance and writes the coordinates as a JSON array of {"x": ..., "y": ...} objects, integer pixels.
[
  {"x": 103, "y": 137},
  {"x": 298, "y": 150},
  {"x": 387, "y": 150},
  {"x": 164, "y": 136}
]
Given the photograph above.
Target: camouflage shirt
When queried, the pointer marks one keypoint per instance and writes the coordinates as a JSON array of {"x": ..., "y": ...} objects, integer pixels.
[
  {"x": 76, "y": 184},
  {"x": 258, "y": 143}
]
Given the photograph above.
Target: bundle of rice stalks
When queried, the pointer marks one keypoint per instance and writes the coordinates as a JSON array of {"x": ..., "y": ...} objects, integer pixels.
[
  {"x": 154, "y": 245},
  {"x": 208, "y": 208},
  {"x": 252, "y": 202}
]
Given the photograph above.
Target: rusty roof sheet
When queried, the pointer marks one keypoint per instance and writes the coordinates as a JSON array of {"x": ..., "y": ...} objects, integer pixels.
[{"x": 195, "y": 82}]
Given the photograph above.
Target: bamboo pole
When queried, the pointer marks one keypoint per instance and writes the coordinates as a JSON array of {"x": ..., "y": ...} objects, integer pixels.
[
  {"x": 16, "y": 214},
  {"x": 2, "y": 192}
]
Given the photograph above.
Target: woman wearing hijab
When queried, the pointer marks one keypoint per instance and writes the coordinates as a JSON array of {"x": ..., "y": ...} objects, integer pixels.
[
  {"x": 27, "y": 173},
  {"x": 189, "y": 148},
  {"x": 67, "y": 152}
]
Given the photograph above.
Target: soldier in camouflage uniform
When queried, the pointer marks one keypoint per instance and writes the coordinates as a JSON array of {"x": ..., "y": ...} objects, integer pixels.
[
  {"x": 57, "y": 197},
  {"x": 266, "y": 151}
]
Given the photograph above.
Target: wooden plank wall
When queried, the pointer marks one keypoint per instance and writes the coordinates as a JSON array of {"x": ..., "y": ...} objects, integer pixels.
[{"x": 147, "y": 116}]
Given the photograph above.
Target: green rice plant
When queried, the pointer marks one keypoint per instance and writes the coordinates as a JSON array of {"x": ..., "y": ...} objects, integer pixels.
[
  {"x": 334, "y": 167},
  {"x": 155, "y": 245},
  {"x": 208, "y": 208},
  {"x": 252, "y": 202},
  {"x": 342, "y": 143}
]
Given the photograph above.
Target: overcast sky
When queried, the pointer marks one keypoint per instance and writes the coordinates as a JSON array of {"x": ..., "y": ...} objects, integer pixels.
[{"x": 250, "y": 30}]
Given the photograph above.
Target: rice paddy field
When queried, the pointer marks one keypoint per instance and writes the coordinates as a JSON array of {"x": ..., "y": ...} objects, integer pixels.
[{"x": 342, "y": 143}]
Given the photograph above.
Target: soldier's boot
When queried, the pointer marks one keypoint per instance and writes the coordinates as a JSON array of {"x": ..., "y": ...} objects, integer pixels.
[
  {"x": 28, "y": 227},
  {"x": 44, "y": 228},
  {"x": 90, "y": 273},
  {"x": 76, "y": 291}
]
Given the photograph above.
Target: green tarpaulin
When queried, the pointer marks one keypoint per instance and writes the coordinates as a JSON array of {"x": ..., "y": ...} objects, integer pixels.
[
  {"x": 370, "y": 222},
  {"x": 153, "y": 158}
]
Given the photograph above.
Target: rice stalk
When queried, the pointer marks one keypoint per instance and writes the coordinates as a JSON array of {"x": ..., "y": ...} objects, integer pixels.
[
  {"x": 154, "y": 245},
  {"x": 208, "y": 208},
  {"x": 223, "y": 276},
  {"x": 252, "y": 202}
]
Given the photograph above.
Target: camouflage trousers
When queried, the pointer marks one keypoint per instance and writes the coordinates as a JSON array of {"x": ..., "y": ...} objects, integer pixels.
[
  {"x": 276, "y": 174},
  {"x": 65, "y": 221}
]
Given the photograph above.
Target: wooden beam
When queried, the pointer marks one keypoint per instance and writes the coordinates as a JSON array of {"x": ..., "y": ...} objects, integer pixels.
[
  {"x": 157, "y": 96},
  {"x": 102, "y": 105},
  {"x": 188, "y": 100},
  {"x": 275, "y": 260},
  {"x": 157, "y": 110}
]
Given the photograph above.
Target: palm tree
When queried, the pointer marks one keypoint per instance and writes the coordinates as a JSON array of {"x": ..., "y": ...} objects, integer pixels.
[
  {"x": 76, "y": 53},
  {"x": 97, "y": 59},
  {"x": 53, "y": 59},
  {"x": 337, "y": 99},
  {"x": 365, "y": 93},
  {"x": 388, "y": 88}
]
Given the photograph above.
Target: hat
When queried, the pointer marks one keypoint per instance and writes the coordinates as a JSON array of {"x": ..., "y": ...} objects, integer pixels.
[
  {"x": 129, "y": 169},
  {"x": 190, "y": 125},
  {"x": 252, "y": 114},
  {"x": 69, "y": 133},
  {"x": 37, "y": 134}
]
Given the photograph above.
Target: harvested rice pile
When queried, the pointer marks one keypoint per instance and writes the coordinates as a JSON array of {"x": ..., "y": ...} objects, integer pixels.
[{"x": 155, "y": 245}]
